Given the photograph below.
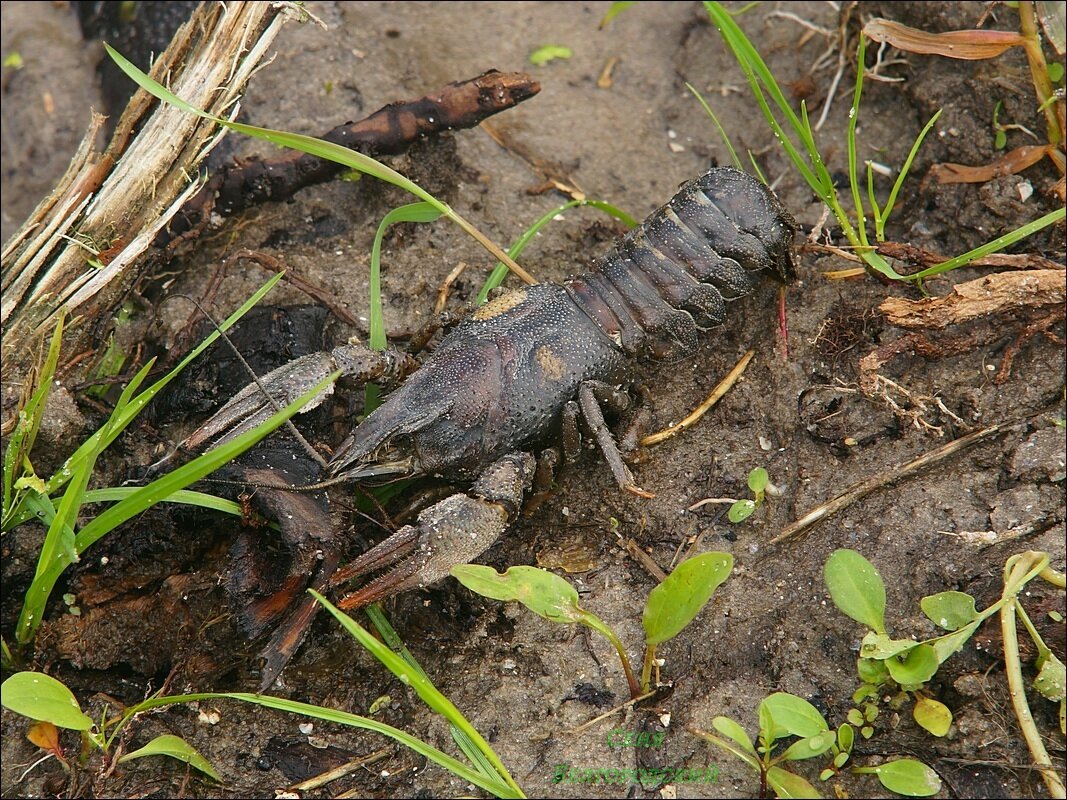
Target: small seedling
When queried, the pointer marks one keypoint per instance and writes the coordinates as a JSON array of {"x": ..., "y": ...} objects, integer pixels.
[
  {"x": 671, "y": 605},
  {"x": 784, "y": 716},
  {"x": 758, "y": 481},
  {"x": 905, "y": 666},
  {"x": 48, "y": 701},
  {"x": 550, "y": 52}
]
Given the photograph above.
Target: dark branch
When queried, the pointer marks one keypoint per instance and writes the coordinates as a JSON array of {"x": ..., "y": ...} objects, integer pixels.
[{"x": 388, "y": 131}]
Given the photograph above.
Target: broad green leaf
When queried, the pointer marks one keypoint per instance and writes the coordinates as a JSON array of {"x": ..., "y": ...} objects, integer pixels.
[
  {"x": 793, "y": 716},
  {"x": 550, "y": 52},
  {"x": 932, "y": 715},
  {"x": 945, "y": 646},
  {"x": 727, "y": 727},
  {"x": 740, "y": 511},
  {"x": 175, "y": 747},
  {"x": 787, "y": 784},
  {"x": 918, "y": 665},
  {"x": 949, "y": 610},
  {"x": 543, "y": 592},
  {"x": 908, "y": 777},
  {"x": 1052, "y": 678},
  {"x": 42, "y": 697},
  {"x": 810, "y": 747},
  {"x": 879, "y": 646},
  {"x": 679, "y": 598},
  {"x": 856, "y": 588}
]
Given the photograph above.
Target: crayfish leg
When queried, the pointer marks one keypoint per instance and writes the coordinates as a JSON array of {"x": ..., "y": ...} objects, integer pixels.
[{"x": 590, "y": 395}]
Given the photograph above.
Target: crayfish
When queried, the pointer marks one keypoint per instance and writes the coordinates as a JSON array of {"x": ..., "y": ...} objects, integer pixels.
[{"x": 517, "y": 373}]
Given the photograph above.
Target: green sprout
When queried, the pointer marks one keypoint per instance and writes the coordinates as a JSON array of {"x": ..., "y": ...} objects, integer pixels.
[
  {"x": 905, "y": 666},
  {"x": 670, "y": 607},
  {"x": 758, "y": 482},
  {"x": 784, "y": 716}
]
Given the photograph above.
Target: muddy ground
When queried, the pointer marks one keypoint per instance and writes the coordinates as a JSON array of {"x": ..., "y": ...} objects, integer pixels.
[{"x": 157, "y": 609}]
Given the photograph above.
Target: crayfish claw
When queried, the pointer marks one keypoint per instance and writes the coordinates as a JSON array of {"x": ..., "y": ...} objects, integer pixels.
[{"x": 454, "y": 531}]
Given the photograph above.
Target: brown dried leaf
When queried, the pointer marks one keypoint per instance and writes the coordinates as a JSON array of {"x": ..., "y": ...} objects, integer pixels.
[
  {"x": 997, "y": 293},
  {"x": 1010, "y": 163},
  {"x": 46, "y": 736},
  {"x": 971, "y": 45}
]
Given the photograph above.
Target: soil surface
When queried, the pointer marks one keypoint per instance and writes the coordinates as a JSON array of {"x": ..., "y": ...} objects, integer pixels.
[{"x": 152, "y": 601}]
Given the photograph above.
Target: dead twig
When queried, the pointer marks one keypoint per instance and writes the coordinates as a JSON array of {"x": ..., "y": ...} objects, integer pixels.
[
  {"x": 861, "y": 489},
  {"x": 724, "y": 386},
  {"x": 998, "y": 293}
]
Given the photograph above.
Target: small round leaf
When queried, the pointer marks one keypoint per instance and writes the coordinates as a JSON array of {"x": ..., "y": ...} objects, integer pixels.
[
  {"x": 932, "y": 716},
  {"x": 740, "y": 511},
  {"x": 949, "y": 610}
]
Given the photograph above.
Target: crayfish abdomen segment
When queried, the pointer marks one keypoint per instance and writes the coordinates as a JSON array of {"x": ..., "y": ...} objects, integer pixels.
[{"x": 672, "y": 276}]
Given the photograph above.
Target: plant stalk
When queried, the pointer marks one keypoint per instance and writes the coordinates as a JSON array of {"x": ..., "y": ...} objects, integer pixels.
[{"x": 1020, "y": 569}]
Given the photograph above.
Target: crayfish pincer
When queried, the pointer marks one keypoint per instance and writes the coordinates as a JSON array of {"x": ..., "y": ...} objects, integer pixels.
[{"x": 524, "y": 368}]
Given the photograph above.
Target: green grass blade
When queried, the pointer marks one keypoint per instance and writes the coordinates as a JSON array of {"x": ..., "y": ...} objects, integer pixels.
[
  {"x": 396, "y": 644},
  {"x": 876, "y": 212},
  {"x": 496, "y": 277},
  {"x": 334, "y": 716},
  {"x": 184, "y": 497},
  {"x": 757, "y": 73},
  {"x": 991, "y": 247},
  {"x": 880, "y": 232},
  {"x": 755, "y": 168},
  {"x": 130, "y": 410},
  {"x": 413, "y": 212},
  {"x": 50, "y": 569},
  {"x": 718, "y": 125},
  {"x": 341, "y": 718},
  {"x": 425, "y": 689},
  {"x": 853, "y": 120},
  {"x": 34, "y": 505}
]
